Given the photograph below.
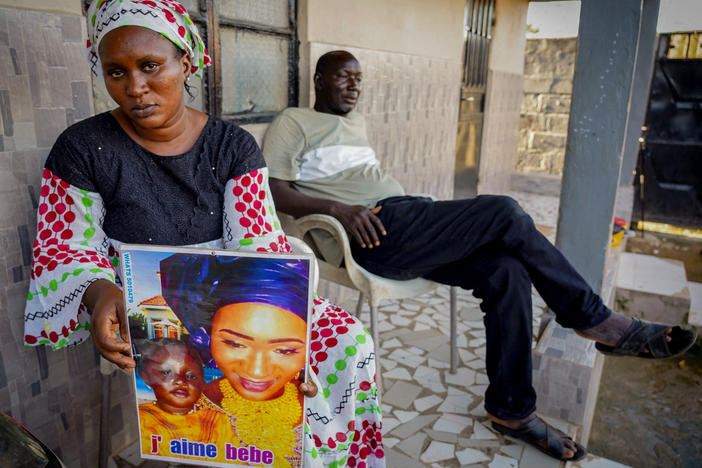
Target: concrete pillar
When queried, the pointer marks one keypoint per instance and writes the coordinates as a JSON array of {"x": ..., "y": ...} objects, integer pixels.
[
  {"x": 643, "y": 70},
  {"x": 604, "y": 70}
]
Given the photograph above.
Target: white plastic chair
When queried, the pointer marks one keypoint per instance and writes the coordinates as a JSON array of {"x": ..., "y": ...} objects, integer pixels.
[{"x": 374, "y": 287}]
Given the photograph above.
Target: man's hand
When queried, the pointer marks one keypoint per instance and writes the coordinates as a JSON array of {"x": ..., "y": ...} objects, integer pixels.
[
  {"x": 106, "y": 303},
  {"x": 362, "y": 223}
]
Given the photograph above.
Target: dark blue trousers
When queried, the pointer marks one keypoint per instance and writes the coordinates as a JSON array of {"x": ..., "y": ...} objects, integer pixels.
[{"x": 490, "y": 245}]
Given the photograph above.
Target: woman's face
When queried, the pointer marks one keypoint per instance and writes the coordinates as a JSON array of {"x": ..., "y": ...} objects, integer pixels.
[
  {"x": 258, "y": 348},
  {"x": 176, "y": 378},
  {"x": 144, "y": 74}
]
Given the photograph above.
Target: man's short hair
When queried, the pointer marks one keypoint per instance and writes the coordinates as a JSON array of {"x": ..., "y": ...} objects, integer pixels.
[{"x": 331, "y": 58}]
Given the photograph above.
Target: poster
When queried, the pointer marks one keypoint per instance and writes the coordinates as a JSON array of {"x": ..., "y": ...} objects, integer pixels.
[{"x": 220, "y": 339}]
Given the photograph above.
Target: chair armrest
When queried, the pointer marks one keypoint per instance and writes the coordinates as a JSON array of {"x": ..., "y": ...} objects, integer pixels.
[
  {"x": 329, "y": 224},
  {"x": 358, "y": 276}
]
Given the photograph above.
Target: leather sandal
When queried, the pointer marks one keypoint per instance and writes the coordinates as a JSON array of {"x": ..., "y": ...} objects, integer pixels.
[
  {"x": 544, "y": 437},
  {"x": 647, "y": 340}
]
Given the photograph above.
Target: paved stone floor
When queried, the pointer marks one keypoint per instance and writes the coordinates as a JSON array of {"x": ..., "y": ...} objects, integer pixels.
[{"x": 433, "y": 418}]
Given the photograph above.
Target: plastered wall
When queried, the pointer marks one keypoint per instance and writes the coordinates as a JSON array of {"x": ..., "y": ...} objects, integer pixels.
[{"x": 503, "y": 97}]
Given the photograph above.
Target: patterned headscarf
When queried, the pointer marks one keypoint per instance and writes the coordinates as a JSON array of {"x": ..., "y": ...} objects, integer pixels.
[
  {"x": 196, "y": 286},
  {"x": 166, "y": 17}
]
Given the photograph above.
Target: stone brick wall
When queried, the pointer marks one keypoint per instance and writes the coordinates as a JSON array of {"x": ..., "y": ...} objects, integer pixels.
[
  {"x": 44, "y": 87},
  {"x": 548, "y": 83}
]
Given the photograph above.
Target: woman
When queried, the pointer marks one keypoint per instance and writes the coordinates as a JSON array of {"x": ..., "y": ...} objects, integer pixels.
[
  {"x": 247, "y": 317},
  {"x": 156, "y": 171}
]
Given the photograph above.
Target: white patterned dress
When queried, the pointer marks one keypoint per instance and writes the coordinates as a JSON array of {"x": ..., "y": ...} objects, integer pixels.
[{"x": 72, "y": 249}]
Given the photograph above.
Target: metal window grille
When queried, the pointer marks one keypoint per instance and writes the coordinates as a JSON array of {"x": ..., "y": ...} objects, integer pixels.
[{"x": 477, "y": 33}]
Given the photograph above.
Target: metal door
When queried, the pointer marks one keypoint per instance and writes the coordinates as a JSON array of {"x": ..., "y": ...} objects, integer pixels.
[{"x": 476, "y": 43}]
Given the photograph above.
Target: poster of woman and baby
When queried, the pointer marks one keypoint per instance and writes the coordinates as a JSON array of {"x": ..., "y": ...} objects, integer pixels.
[{"x": 220, "y": 340}]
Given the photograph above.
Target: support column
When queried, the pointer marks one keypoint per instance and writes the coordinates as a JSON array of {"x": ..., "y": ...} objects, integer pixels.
[
  {"x": 567, "y": 368},
  {"x": 604, "y": 70},
  {"x": 643, "y": 70}
]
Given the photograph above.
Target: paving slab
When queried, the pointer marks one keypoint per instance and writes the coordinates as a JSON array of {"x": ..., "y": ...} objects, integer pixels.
[
  {"x": 423, "y": 404},
  {"x": 402, "y": 394},
  {"x": 471, "y": 456},
  {"x": 395, "y": 459},
  {"x": 438, "y": 451},
  {"x": 413, "y": 445},
  {"x": 417, "y": 424},
  {"x": 452, "y": 423},
  {"x": 442, "y": 436},
  {"x": 501, "y": 461}
]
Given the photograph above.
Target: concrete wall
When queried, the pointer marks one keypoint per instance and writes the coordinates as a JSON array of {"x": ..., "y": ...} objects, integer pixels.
[
  {"x": 44, "y": 87},
  {"x": 548, "y": 85},
  {"x": 503, "y": 97}
]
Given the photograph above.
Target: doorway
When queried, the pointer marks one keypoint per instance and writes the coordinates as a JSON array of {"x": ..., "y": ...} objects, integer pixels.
[{"x": 477, "y": 28}]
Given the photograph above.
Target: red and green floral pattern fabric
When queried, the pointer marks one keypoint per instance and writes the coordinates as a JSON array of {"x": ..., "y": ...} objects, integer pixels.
[{"x": 343, "y": 421}]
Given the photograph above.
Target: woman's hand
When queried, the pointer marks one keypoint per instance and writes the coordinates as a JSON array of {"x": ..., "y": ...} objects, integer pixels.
[
  {"x": 106, "y": 305},
  {"x": 307, "y": 388}
]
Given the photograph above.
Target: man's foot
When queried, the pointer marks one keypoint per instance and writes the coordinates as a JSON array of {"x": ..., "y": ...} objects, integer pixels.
[
  {"x": 533, "y": 430},
  {"x": 624, "y": 336},
  {"x": 612, "y": 330}
]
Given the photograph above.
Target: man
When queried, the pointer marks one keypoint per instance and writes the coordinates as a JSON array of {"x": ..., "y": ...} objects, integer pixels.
[{"x": 320, "y": 161}]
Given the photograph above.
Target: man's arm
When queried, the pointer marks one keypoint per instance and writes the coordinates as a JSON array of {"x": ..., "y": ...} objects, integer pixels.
[{"x": 361, "y": 222}]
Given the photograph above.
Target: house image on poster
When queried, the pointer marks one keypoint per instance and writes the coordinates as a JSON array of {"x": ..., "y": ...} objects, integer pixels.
[{"x": 159, "y": 319}]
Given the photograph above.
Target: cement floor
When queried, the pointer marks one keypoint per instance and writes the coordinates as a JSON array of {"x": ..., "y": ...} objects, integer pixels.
[{"x": 649, "y": 413}]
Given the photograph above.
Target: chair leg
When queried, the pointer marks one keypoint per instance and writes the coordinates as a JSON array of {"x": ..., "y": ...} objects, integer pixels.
[
  {"x": 359, "y": 304},
  {"x": 376, "y": 344},
  {"x": 453, "y": 332}
]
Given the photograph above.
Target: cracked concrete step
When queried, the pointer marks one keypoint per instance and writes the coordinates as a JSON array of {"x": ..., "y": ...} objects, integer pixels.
[{"x": 652, "y": 288}]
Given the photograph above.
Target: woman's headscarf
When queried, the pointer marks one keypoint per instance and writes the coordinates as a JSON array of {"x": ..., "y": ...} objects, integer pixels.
[
  {"x": 166, "y": 17},
  {"x": 197, "y": 286}
]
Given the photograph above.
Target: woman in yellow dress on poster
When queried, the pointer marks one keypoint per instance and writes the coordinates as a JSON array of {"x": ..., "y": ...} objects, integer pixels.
[{"x": 248, "y": 317}]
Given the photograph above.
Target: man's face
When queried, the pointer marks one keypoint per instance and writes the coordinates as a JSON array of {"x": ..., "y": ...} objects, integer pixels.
[{"x": 338, "y": 87}]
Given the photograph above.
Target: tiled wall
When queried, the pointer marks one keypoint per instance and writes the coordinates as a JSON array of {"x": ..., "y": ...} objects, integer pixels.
[
  {"x": 44, "y": 87},
  {"x": 411, "y": 108}
]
